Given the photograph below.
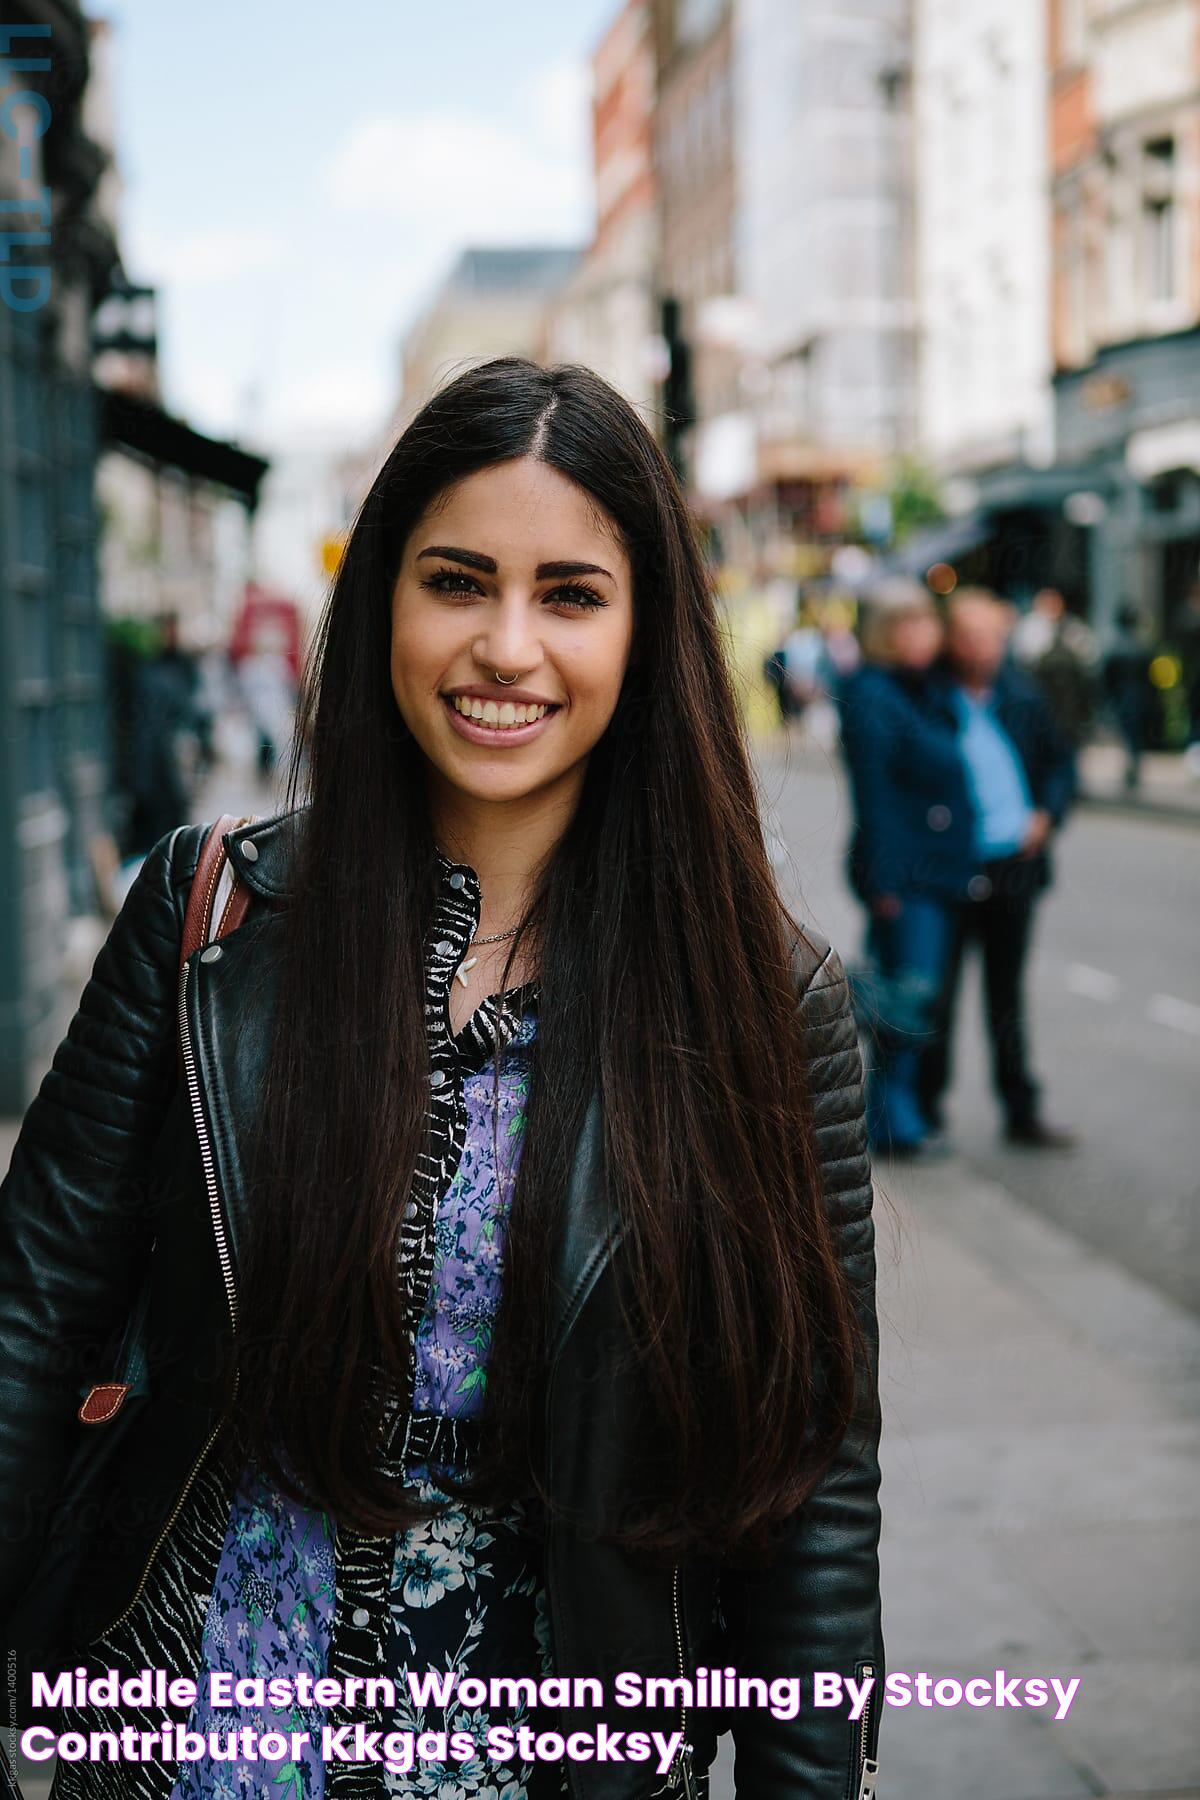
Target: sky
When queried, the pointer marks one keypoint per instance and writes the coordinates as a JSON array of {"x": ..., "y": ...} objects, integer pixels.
[{"x": 296, "y": 179}]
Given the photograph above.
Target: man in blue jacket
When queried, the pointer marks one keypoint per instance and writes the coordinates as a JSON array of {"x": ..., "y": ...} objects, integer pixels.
[{"x": 1020, "y": 772}]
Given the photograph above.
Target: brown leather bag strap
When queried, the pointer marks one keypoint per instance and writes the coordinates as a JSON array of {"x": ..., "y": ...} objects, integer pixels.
[{"x": 198, "y": 921}]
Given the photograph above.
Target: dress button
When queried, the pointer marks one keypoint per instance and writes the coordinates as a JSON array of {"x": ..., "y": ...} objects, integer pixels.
[
  {"x": 410, "y": 1209},
  {"x": 938, "y": 818},
  {"x": 437, "y": 1078},
  {"x": 979, "y": 887},
  {"x": 457, "y": 879},
  {"x": 250, "y": 850},
  {"x": 212, "y": 953},
  {"x": 361, "y": 1616},
  {"x": 444, "y": 948}
]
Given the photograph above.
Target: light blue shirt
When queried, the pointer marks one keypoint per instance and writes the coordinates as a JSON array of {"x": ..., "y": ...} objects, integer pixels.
[{"x": 996, "y": 776}]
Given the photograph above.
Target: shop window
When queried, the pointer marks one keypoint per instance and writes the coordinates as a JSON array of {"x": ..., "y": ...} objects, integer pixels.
[{"x": 1159, "y": 219}]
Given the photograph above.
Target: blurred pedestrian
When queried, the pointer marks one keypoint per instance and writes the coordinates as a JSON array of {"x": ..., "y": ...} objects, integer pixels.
[
  {"x": 1020, "y": 772},
  {"x": 805, "y": 666},
  {"x": 910, "y": 855},
  {"x": 775, "y": 675},
  {"x": 169, "y": 731},
  {"x": 1060, "y": 653},
  {"x": 842, "y": 649},
  {"x": 1187, "y": 636},
  {"x": 269, "y": 691},
  {"x": 1130, "y": 691}
]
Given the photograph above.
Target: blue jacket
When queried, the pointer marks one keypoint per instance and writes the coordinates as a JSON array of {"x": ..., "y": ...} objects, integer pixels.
[
  {"x": 913, "y": 817},
  {"x": 1046, "y": 754}
]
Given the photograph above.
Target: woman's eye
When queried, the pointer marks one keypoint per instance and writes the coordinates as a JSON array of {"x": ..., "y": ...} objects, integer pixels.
[
  {"x": 584, "y": 597},
  {"x": 440, "y": 583}
]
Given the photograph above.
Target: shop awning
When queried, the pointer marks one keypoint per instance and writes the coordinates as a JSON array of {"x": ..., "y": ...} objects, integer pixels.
[{"x": 133, "y": 422}]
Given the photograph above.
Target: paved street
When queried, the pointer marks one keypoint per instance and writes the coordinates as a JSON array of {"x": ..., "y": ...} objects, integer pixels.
[{"x": 1041, "y": 1384}]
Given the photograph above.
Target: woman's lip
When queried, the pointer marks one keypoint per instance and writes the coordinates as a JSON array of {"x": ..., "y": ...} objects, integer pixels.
[{"x": 476, "y": 732}]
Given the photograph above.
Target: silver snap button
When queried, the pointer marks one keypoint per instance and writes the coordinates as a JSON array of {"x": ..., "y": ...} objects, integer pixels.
[
  {"x": 410, "y": 1210},
  {"x": 211, "y": 954},
  {"x": 938, "y": 818},
  {"x": 437, "y": 1078},
  {"x": 444, "y": 948},
  {"x": 361, "y": 1616},
  {"x": 250, "y": 850},
  {"x": 979, "y": 887},
  {"x": 457, "y": 879}
]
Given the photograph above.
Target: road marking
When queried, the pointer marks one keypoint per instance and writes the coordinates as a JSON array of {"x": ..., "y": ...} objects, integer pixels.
[
  {"x": 1180, "y": 1015},
  {"x": 1094, "y": 984}
]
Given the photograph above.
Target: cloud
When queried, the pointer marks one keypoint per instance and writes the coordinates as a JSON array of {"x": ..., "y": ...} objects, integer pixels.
[
  {"x": 460, "y": 176},
  {"x": 224, "y": 253}
]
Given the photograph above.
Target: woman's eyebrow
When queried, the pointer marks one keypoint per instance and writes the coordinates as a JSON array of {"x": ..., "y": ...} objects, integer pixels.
[{"x": 487, "y": 564}]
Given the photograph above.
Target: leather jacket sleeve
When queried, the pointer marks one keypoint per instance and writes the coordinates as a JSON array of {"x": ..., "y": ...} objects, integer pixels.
[
  {"x": 817, "y": 1607},
  {"x": 74, "y": 1224}
]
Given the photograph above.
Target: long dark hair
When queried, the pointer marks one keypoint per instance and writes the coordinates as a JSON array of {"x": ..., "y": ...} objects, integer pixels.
[{"x": 663, "y": 951}]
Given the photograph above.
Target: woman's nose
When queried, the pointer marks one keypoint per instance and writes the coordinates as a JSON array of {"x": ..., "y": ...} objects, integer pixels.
[{"x": 509, "y": 641}]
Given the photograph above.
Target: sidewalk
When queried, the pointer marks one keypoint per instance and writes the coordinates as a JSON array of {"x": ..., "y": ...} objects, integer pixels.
[
  {"x": 1041, "y": 1415},
  {"x": 1168, "y": 786}
]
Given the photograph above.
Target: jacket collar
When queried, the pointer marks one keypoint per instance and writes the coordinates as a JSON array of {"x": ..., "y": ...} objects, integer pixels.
[{"x": 262, "y": 852}]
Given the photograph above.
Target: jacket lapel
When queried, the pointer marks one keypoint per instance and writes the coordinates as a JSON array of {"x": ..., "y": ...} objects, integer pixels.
[
  {"x": 588, "y": 1233},
  {"x": 230, "y": 1004}
]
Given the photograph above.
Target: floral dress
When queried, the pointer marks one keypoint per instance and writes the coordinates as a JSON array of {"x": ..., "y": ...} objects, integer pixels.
[{"x": 252, "y": 1583}]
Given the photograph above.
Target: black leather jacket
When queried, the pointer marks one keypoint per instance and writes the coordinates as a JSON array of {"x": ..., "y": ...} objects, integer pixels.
[{"x": 119, "y": 1157}]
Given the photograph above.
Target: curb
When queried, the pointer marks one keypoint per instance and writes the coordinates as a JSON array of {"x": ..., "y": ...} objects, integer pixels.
[{"x": 1167, "y": 811}]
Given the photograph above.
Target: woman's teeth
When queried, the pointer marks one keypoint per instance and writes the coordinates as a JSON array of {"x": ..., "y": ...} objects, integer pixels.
[{"x": 501, "y": 715}]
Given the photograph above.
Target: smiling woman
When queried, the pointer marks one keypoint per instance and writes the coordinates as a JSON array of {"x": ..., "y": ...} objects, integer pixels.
[{"x": 509, "y": 1245}]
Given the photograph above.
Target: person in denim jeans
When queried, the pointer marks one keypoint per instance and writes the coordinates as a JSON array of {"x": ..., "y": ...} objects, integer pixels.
[{"x": 911, "y": 853}]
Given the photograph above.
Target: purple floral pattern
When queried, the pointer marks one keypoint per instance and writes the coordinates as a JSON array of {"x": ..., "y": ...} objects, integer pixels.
[
  {"x": 454, "y": 1337},
  {"x": 269, "y": 1614}
]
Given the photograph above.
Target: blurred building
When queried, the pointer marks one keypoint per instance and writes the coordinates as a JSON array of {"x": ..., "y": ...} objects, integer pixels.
[
  {"x": 177, "y": 508},
  {"x": 53, "y": 751},
  {"x": 176, "y": 505},
  {"x": 1087, "y": 475},
  {"x": 694, "y": 162},
  {"x": 1125, "y": 131},
  {"x": 309, "y": 499},
  {"x": 981, "y": 107},
  {"x": 606, "y": 314},
  {"x": 783, "y": 143},
  {"x": 982, "y": 222},
  {"x": 824, "y": 226},
  {"x": 494, "y": 302},
  {"x": 108, "y": 504}
]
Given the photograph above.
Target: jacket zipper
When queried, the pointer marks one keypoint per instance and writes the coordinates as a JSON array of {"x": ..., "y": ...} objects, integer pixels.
[
  {"x": 868, "y": 1766},
  {"x": 226, "y": 1262},
  {"x": 681, "y": 1778}
]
